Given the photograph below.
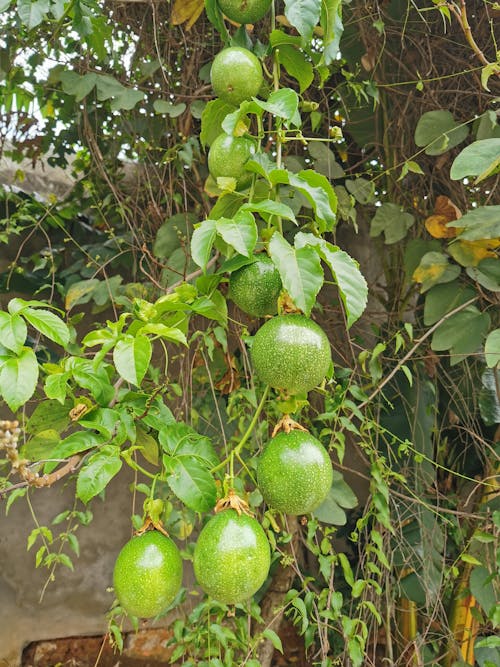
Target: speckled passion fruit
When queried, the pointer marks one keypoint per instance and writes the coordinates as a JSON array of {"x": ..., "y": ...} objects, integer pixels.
[
  {"x": 255, "y": 288},
  {"x": 294, "y": 472},
  {"x": 231, "y": 557},
  {"x": 227, "y": 157},
  {"x": 147, "y": 574},
  {"x": 244, "y": 11},
  {"x": 292, "y": 353},
  {"x": 236, "y": 75}
]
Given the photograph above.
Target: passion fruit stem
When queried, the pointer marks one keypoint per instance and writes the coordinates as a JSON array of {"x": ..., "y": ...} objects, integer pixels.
[
  {"x": 236, "y": 451},
  {"x": 287, "y": 424}
]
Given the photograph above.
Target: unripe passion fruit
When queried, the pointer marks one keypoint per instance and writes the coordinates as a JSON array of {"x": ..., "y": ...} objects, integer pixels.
[
  {"x": 292, "y": 353},
  {"x": 244, "y": 11},
  {"x": 255, "y": 288},
  {"x": 236, "y": 75},
  {"x": 231, "y": 557},
  {"x": 227, "y": 157},
  {"x": 147, "y": 574},
  {"x": 294, "y": 472}
]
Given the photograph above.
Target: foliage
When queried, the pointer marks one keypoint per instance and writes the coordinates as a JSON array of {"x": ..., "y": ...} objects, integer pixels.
[{"x": 122, "y": 348}]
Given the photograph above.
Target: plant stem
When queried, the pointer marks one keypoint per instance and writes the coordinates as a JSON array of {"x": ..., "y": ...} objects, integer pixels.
[{"x": 236, "y": 451}]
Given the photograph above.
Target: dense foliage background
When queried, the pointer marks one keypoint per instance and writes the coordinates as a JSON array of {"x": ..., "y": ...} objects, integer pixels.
[{"x": 379, "y": 143}]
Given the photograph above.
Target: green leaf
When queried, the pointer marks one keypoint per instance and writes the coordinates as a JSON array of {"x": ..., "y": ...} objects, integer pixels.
[
  {"x": 166, "y": 107},
  {"x": 392, "y": 221},
  {"x": 32, "y": 13},
  {"x": 211, "y": 120},
  {"x": 81, "y": 441},
  {"x": 41, "y": 445},
  {"x": 126, "y": 100},
  {"x": 274, "y": 639},
  {"x": 163, "y": 331},
  {"x": 316, "y": 189},
  {"x": 331, "y": 22},
  {"x": 482, "y": 222},
  {"x": 492, "y": 348},
  {"x": 191, "y": 482},
  {"x": 345, "y": 271},
  {"x": 78, "y": 85},
  {"x": 271, "y": 207},
  {"x": 342, "y": 493},
  {"x": 462, "y": 334},
  {"x": 202, "y": 242},
  {"x": 213, "y": 307},
  {"x": 97, "y": 474},
  {"x": 215, "y": 17},
  {"x": 303, "y": 15},
  {"x": 48, "y": 324},
  {"x": 481, "y": 159},
  {"x": 131, "y": 357},
  {"x": 18, "y": 378},
  {"x": 324, "y": 160},
  {"x": 482, "y": 587},
  {"x": 441, "y": 299},
  {"x": 439, "y": 131},
  {"x": 300, "y": 271},
  {"x": 330, "y": 512},
  {"x": 362, "y": 190},
  {"x": 283, "y": 103},
  {"x": 240, "y": 233},
  {"x": 13, "y": 332},
  {"x": 149, "y": 446},
  {"x": 434, "y": 269},
  {"x": 180, "y": 439},
  {"x": 297, "y": 65},
  {"x": 486, "y": 273},
  {"x": 56, "y": 386},
  {"x": 4, "y": 5}
]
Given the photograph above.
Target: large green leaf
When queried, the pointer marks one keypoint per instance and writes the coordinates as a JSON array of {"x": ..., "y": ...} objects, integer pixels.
[
  {"x": 213, "y": 307},
  {"x": 330, "y": 511},
  {"x": 297, "y": 65},
  {"x": 131, "y": 357},
  {"x": 32, "y": 13},
  {"x": 462, "y": 334},
  {"x": 97, "y": 474},
  {"x": 486, "y": 273},
  {"x": 202, "y": 242},
  {"x": 492, "y": 348},
  {"x": 303, "y": 15},
  {"x": 283, "y": 103},
  {"x": 180, "y": 439},
  {"x": 345, "y": 271},
  {"x": 240, "y": 232},
  {"x": 48, "y": 324},
  {"x": 324, "y": 160},
  {"x": 489, "y": 401},
  {"x": 316, "y": 189},
  {"x": 211, "y": 120},
  {"x": 439, "y": 132},
  {"x": 331, "y": 22},
  {"x": 13, "y": 332},
  {"x": 300, "y": 271},
  {"x": 78, "y": 85},
  {"x": 191, "y": 482},
  {"x": 441, "y": 299},
  {"x": 480, "y": 223},
  {"x": 481, "y": 159},
  {"x": 392, "y": 221},
  {"x": 81, "y": 441},
  {"x": 18, "y": 378},
  {"x": 268, "y": 207}
]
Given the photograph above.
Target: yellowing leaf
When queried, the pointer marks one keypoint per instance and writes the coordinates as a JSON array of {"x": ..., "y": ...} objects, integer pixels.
[
  {"x": 470, "y": 253},
  {"x": 186, "y": 11},
  {"x": 436, "y": 226},
  {"x": 434, "y": 269}
]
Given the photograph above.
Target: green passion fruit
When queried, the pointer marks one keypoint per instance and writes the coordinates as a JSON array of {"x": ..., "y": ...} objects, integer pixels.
[
  {"x": 236, "y": 75},
  {"x": 255, "y": 288},
  {"x": 147, "y": 574},
  {"x": 231, "y": 557},
  {"x": 227, "y": 157},
  {"x": 244, "y": 11},
  {"x": 294, "y": 472},
  {"x": 291, "y": 353}
]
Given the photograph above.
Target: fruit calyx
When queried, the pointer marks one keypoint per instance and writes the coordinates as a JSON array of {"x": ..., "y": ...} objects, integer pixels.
[
  {"x": 234, "y": 502},
  {"x": 287, "y": 424},
  {"x": 287, "y": 306},
  {"x": 153, "y": 508}
]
